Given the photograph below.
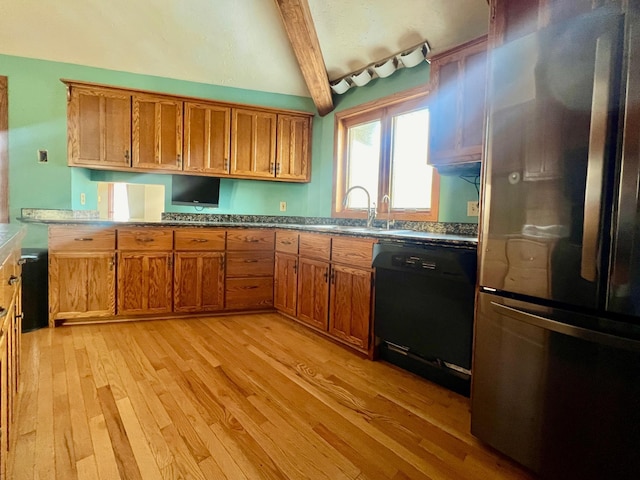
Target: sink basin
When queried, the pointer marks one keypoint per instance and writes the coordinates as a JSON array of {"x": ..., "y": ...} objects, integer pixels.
[{"x": 377, "y": 231}]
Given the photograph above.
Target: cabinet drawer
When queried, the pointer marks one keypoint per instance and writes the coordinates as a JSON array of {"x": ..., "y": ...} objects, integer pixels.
[
  {"x": 354, "y": 252},
  {"x": 314, "y": 245},
  {"x": 74, "y": 238},
  {"x": 240, "y": 239},
  {"x": 145, "y": 239},
  {"x": 249, "y": 264},
  {"x": 245, "y": 293},
  {"x": 287, "y": 241},
  {"x": 199, "y": 239}
]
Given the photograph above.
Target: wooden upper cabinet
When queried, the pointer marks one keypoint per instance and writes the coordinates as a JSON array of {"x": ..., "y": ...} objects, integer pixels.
[
  {"x": 292, "y": 162},
  {"x": 253, "y": 147},
  {"x": 207, "y": 139},
  {"x": 458, "y": 109},
  {"x": 99, "y": 127},
  {"x": 157, "y": 132}
]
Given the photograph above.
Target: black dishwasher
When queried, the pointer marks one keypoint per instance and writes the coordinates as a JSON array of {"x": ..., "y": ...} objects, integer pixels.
[{"x": 424, "y": 305}]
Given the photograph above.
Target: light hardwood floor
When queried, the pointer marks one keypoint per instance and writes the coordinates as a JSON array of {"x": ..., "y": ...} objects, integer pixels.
[{"x": 237, "y": 397}]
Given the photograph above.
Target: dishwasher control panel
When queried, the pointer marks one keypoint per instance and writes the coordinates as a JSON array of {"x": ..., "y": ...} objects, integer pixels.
[{"x": 414, "y": 262}]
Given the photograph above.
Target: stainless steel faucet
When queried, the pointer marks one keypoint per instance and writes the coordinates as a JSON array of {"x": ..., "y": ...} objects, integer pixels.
[
  {"x": 371, "y": 211},
  {"x": 387, "y": 199}
]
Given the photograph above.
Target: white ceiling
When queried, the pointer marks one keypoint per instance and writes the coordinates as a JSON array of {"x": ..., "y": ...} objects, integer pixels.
[{"x": 236, "y": 43}]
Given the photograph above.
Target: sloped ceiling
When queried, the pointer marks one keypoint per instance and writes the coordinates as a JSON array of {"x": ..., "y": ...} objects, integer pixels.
[{"x": 235, "y": 43}]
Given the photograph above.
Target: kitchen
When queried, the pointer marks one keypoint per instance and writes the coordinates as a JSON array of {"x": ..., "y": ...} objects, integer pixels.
[{"x": 79, "y": 179}]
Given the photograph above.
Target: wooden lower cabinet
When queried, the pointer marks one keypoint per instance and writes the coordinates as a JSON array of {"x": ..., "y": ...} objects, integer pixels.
[
  {"x": 249, "y": 293},
  {"x": 350, "y": 305},
  {"x": 285, "y": 284},
  {"x": 4, "y": 404},
  {"x": 81, "y": 285},
  {"x": 145, "y": 282},
  {"x": 313, "y": 292},
  {"x": 198, "y": 284},
  {"x": 10, "y": 340}
]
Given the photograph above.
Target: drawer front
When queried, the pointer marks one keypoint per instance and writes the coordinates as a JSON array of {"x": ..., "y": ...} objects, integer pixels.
[
  {"x": 354, "y": 252},
  {"x": 80, "y": 238},
  {"x": 287, "y": 241},
  {"x": 145, "y": 239},
  {"x": 248, "y": 293},
  {"x": 314, "y": 245},
  {"x": 249, "y": 264},
  {"x": 241, "y": 239},
  {"x": 199, "y": 239}
]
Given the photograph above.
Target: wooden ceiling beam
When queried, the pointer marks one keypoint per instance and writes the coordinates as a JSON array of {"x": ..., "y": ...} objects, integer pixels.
[{"x": 298, "y": 23}]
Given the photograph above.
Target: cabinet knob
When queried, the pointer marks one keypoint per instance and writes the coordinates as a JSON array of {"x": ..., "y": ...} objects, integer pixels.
[
  {"x": 126, "y": 155},
  {"x": 13, "y": 280},
  {"x": 3, "y": 313}
]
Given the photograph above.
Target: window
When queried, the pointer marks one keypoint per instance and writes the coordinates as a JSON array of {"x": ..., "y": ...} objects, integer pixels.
[{"x": 384, "y": 148}]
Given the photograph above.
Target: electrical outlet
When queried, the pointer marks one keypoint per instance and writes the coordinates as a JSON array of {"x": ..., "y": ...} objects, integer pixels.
[
  {"x": 473, "y": 209},
  {"x": 283, "y": 206},
  {"x": 43, "y": 156},
  {"x": 83, "y": 199}
]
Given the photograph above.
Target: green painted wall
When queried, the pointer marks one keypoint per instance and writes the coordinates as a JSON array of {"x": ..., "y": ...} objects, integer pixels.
[{"x": 37, "y": 120}]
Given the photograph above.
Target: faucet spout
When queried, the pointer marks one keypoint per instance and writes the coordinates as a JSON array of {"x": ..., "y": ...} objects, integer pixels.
[{"x": 371, "y": 212}]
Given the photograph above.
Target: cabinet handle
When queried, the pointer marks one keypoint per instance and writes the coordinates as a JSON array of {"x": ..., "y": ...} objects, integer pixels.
[
  {"x": 251, "y": 260},
  {"x": 112, "y": 262},
  {"x": 144, "y": 240},
  {"x": 278, "y": 168},
  {"x": 22, "y": 261},
  {"x": 83, "y": 239},
  {"x": 3, "y": 313},
  {"x": 13, "y": 280},
  {"x": 333, "y": 277},
  {"x": 252, "y": 240},
  {"x": 286, "y": 242},
  {"x": 224, "y": 260},
  {"x": 178, "y": 160},
  {"x": 226, "y": 164},
  {"x": 295, "y": 267},
  {"x": 271, "y": 168},
  {"x": 170, "y": 262},
  {"x": 199, "y": 240},
  {"x": 126, "y": 155}
]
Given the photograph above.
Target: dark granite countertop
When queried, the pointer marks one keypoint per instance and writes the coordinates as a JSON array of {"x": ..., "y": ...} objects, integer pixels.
[{"x": 396, "y": 234}]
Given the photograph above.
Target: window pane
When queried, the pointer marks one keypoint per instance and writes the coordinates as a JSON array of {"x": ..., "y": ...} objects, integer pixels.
[
  {"x": 410, "y": 174},
  {"x": 363, "y": 162}
]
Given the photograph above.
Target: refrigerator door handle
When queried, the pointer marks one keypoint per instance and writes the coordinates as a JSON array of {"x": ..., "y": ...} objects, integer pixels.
[
  {"x": 597, "y": 152},
  {"x": 566, "y": 329}
]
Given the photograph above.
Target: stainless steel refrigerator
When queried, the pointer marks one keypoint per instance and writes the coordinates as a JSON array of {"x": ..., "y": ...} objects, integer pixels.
[{"x": 556, "y": 365}]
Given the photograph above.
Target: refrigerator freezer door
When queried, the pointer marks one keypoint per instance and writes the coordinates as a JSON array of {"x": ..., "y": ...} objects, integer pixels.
[{"x": 561, "y": 398}]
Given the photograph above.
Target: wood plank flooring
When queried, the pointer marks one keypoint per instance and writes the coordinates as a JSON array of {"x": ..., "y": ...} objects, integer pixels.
[{"x": 237, "y": 397}]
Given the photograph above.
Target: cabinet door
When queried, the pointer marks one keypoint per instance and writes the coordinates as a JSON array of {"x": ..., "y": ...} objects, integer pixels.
[
  {"x": 253, "y": 147},
  {"x": 81, "y": 284},
  {"x": 4, "y": 402},
  {"x": 99, "y": 128},
  {"x": 157, "y": 133},
  {"x": 457, "y": 121},
  {"x": 198, "y": 281},
  {"x": 293, "y": 147},
  {"x": 207, "y": 140},
  {"x": 313, "y": 292},
  {"x": 285, "y": 283},
  {"x": 350, "y": 305},
  {"x": 144, "y": 282}
]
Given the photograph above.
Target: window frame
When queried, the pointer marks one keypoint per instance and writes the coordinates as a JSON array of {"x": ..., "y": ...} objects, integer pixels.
[{"x": 384, "y": 110}]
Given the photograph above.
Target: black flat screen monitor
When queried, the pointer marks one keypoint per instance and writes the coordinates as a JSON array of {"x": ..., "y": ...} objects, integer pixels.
[{"x": 195, "y": 191}]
